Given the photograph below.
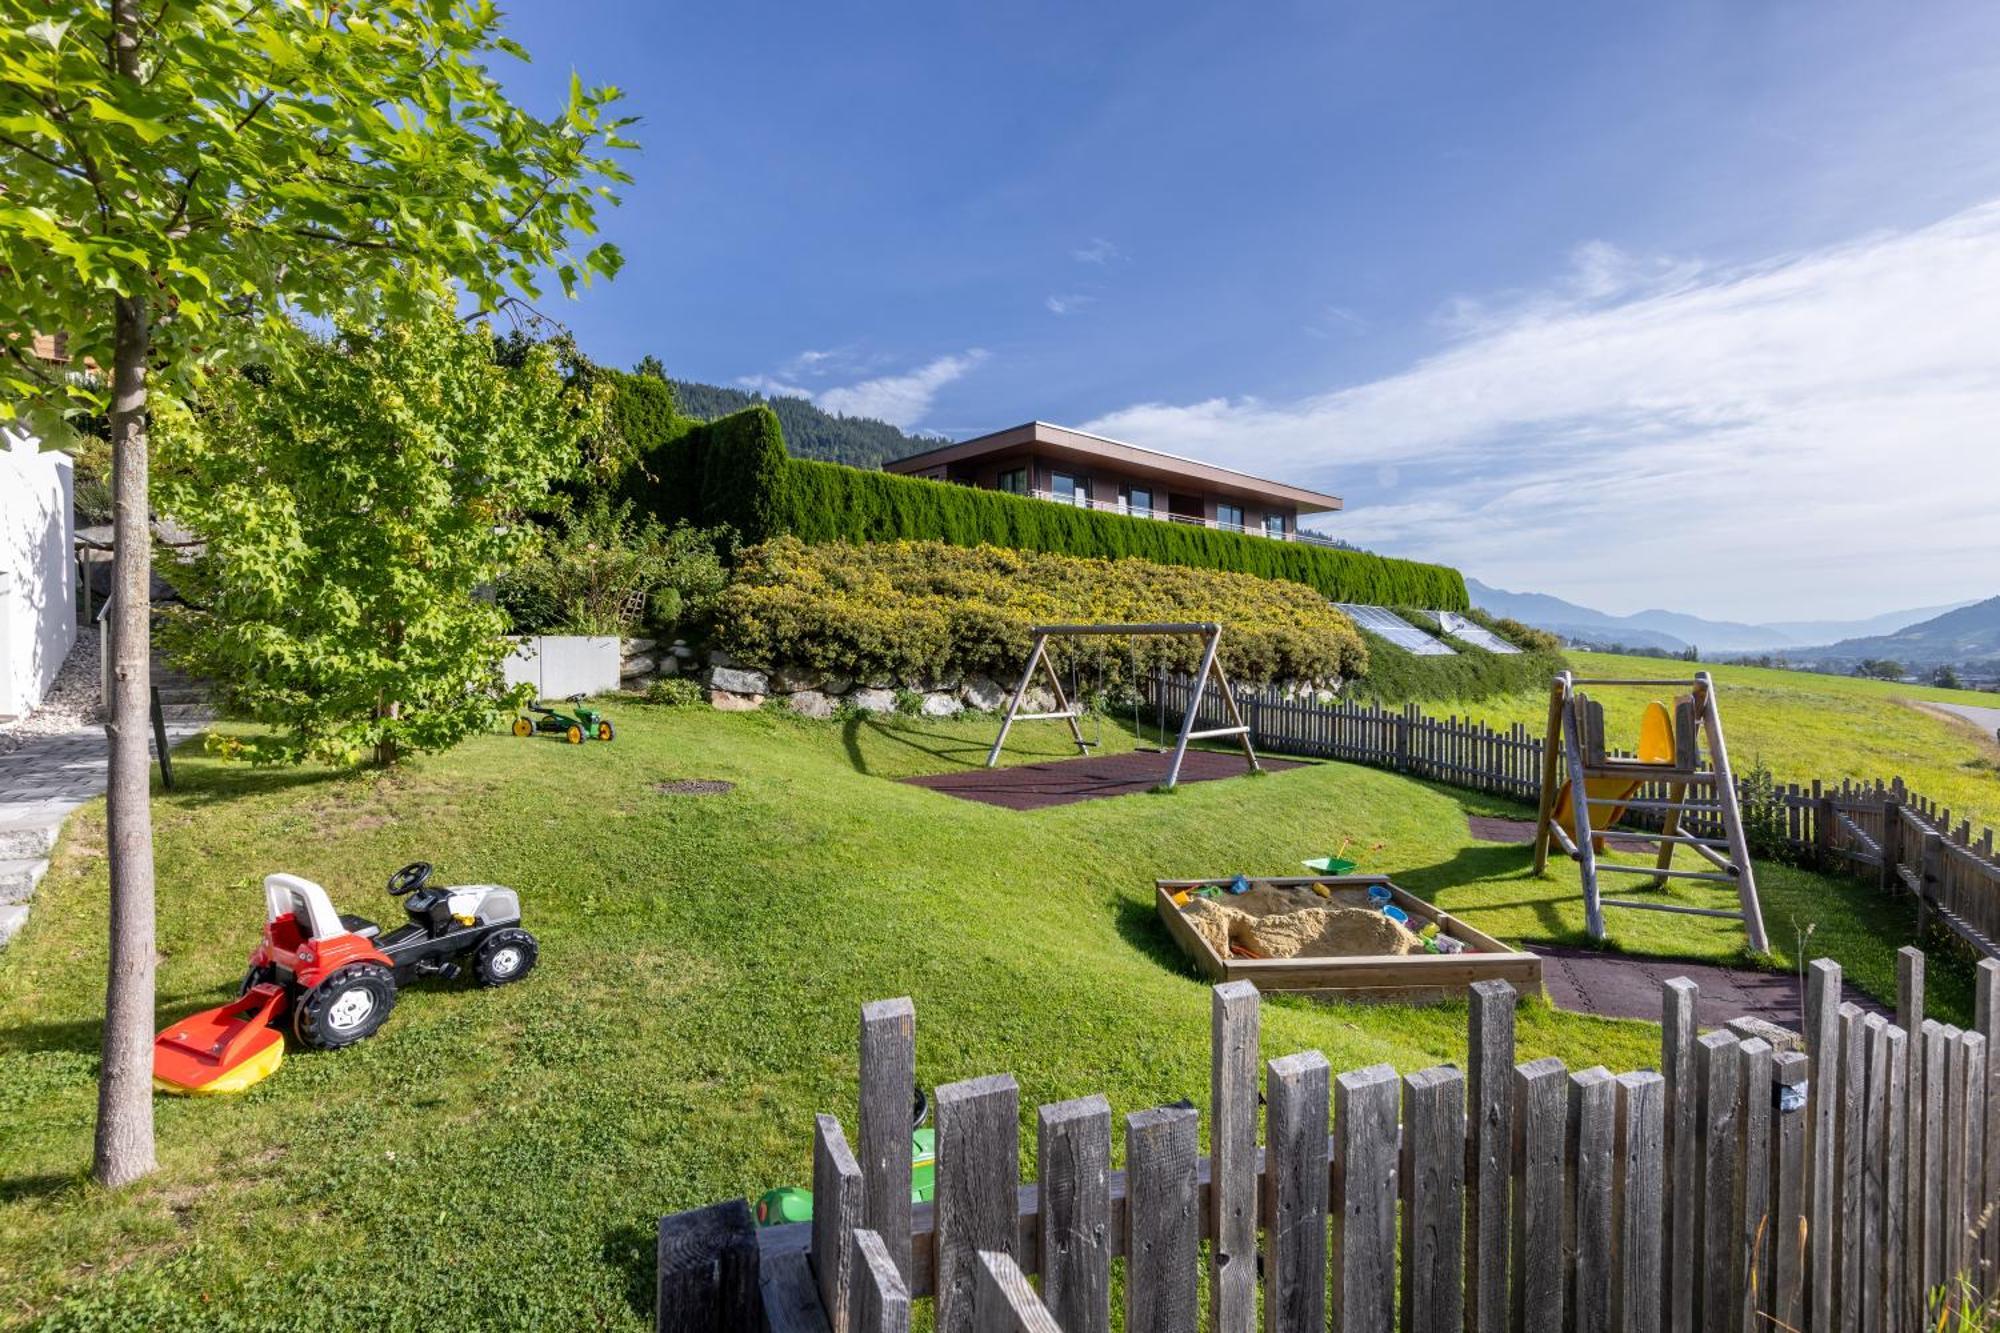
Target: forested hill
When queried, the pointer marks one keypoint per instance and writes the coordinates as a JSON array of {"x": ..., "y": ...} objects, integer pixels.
[{"x": 809, "y": 432}]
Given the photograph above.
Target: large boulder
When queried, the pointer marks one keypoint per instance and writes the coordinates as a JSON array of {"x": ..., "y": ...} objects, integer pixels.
[
  {"x": 983, "y": 693},
  {"x": 836, "y": 684},
  {"x": 941, "y": 703},
  {"x": 811, "y": 703},
  {"x": 729, "y": 701},
  {"x": 872, "y": 700},
  {"x": 637, "y": 666},
  {"x": 738, "y": 681},
  {"x": 635, "y": 647},
  {"x": 789, "y": 680}
]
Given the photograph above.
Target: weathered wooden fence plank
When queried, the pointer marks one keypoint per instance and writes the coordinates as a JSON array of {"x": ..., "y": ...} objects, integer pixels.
[
  {"x": 1718, "y": 1148},
  {"x": 1295, "y": 1187},
  {"x": 1073, "y": 1170},
  {"x": 836, "y": 1212},
  {"x": 1007, "y": 1303},
  {"x": 1874, "y": 1169},
  {"x": 978, "y": 1171},
  {"x": 1363, "y": 1292},
  {"x": 1753, "y": 1116},
  {"x": 877, "y": 1301},
  {"x": 1849, "y": 1134},
  {"x": 1433, "y": 1171},
  {"x": 1677, "y": 1033},
  {"x": 1789, "y": 1236},
  {"x": 1489, "y": 1152},
  {"x": 888, "y": 1081},
  {"x": 1163, "y": 1224},
  {"x": 1638, "y": 1159},
  {"x": 1936, "y": 1044},
  {"x": 1232, "y": 1132},
  {"x": 1540, "y": 1127},
  {"x": 705, "y": 1270},
  {"x": 1590, "y": 1136}
]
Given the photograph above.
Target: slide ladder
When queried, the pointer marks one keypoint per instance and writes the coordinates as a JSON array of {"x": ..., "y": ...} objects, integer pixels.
[{"x": 1586, "y": 789}]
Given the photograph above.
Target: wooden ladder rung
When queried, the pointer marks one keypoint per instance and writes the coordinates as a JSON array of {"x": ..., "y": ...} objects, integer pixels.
[
  {"x": 1683, "y": 806},
  {"x": 1635, "y": 770},
  {"x": 1654, "y": 872},
  {"x": 1675, "y": 908}
]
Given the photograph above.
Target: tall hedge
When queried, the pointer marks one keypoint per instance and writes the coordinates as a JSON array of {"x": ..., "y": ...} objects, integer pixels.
[{"x": 736, "y": 471}]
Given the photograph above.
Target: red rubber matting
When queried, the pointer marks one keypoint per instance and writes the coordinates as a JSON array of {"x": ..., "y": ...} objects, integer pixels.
[{"x": 1086, "y": 778}]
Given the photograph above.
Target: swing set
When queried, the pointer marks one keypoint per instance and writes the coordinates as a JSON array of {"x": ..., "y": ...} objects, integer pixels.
[{"x": 1071, "y": 710}]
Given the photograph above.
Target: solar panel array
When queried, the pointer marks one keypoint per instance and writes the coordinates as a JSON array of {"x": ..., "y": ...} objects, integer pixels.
[
  {"x": 1390, "y": 626},
  {"x": 1472, "y": 632}
]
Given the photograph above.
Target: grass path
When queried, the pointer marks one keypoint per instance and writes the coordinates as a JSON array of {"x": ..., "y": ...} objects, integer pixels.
[{"x": 497, "y": 1159}]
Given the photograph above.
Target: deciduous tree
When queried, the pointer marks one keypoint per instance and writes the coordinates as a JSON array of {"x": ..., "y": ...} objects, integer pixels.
[{"x": 180, "y": 183}]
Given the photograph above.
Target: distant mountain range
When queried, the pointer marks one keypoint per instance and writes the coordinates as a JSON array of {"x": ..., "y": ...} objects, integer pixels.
[
  {"x": 1673, "y": 631},
  {"x": 810, "y": 432},
  {"x": 1964, "y": 634}
]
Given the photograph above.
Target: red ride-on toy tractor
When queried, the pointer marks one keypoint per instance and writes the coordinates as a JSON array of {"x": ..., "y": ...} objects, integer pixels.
[{"x": 332, "y": 979}]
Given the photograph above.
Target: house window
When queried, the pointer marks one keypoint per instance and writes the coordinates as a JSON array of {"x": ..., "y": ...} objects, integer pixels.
[
  {"x": 1274, "y": 525},
  {"x": 1014, "y": 481},
  {"x": 1069, "y": 490},
  {"x": 1229, "y": 516},
  {"x": 1141, "y": 502}
]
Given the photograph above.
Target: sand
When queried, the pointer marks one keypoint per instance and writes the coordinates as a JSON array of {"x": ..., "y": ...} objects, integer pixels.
[{"x": 1290, "y": 928}]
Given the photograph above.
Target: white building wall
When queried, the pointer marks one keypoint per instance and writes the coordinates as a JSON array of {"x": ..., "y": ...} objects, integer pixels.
[{"x": 37, "y": 570}]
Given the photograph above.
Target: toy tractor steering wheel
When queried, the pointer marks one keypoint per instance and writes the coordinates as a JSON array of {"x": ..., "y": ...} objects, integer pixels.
[{"x": 410, "y": 878}]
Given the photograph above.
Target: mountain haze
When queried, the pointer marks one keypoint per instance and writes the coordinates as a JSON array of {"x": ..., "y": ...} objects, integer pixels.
[{"x": 810, "y": 431}]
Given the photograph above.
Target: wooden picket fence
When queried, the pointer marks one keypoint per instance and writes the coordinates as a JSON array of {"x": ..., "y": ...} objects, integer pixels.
[
  {"x": 1882, "y": 830},
  {"x": 1841, "y": 1179}
]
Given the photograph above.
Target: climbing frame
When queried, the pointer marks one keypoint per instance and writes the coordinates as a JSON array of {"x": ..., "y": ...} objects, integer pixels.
[{"x": 1586, "y": 789}]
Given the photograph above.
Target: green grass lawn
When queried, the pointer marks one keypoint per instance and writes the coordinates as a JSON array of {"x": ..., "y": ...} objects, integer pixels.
[
  {"x": 1802, "y": 726},
  {"x": 498, "y": 1159}
]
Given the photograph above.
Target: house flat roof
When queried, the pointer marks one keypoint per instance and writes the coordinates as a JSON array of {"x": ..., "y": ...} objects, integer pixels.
[{"x": 1082, "y": 446}]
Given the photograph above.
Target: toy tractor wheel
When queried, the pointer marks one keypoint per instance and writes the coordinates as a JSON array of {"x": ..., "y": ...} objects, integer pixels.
[
  {"x": 604, "y": 731},
  {"x": 256, "y": 976},
  {"x": 523, "y": 727},
  {"x": 574, "y": 735},
  {"x": 346, "y": 1007},
  {"x": 506, "y": 955}
]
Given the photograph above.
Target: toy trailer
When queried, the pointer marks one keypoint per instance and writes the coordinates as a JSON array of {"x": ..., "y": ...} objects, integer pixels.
[{"x": 1416, "y": 978}]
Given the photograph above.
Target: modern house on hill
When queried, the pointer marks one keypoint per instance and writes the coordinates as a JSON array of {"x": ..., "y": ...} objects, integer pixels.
[{"x": 1072, "y": 467}]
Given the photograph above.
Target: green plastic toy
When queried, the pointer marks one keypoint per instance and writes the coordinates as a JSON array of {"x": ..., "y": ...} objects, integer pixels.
[
  {"x": 791, "y": 1203},
  {"x": 576, "y": 726}
]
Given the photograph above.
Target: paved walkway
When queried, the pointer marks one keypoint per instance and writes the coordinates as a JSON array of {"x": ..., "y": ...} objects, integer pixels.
[
  {"x": 1986, "y": 719},
  {"x": 1615, "y": 985},
  {"x": 42, "y": 779}
]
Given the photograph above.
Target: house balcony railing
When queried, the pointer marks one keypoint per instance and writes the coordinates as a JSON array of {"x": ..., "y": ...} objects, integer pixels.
[{"x": 1120, "y": 507}]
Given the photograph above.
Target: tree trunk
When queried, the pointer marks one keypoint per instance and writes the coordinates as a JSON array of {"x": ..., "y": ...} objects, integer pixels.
[{"x": 124, "y": 1149}]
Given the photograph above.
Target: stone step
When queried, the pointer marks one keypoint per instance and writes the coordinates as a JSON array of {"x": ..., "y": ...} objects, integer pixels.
[
  {"x": 181, "y": 694},
  {"x": 19, "y": 878},
  {"x": 12, "y": 917},
  {"x": 187, "y": 712},
  {"x": 28, "y": 841}
]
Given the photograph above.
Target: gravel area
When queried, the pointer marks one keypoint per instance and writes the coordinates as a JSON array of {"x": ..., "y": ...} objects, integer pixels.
[{"x": 72, "y": 703}]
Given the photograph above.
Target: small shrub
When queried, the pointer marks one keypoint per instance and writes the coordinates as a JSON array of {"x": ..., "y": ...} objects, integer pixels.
[
  {"x": 909, "y": 702},
  {"x": 602, "y": 570},
  {"x": 1525, "y": 637},
  {"x": 675, "y": 692}
]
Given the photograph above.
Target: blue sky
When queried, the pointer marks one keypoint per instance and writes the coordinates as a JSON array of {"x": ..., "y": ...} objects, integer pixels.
[{"x": 1546, "y": 294}]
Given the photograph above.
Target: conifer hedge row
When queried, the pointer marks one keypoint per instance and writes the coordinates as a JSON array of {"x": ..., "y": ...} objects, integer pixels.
[{"x": 735, "y": 470}]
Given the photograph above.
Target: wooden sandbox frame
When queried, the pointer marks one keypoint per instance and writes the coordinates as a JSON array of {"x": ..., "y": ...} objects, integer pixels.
[{"x": 1417, "y": 978}]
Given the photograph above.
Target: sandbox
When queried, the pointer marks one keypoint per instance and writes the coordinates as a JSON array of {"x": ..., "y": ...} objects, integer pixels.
[{"x": 1335, "y": 941}]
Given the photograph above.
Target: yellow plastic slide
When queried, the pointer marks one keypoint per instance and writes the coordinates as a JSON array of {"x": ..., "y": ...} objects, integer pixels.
[{"x": 1656, "y": 746}]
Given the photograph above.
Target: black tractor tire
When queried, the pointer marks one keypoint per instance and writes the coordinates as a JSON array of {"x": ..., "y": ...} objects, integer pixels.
[
  {"x": 348, "y": 1006},
  {"x": 504, "y": 956}
]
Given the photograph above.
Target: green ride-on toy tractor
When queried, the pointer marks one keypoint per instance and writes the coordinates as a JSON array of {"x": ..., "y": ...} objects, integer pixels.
[
  {"x": 576, "y": 726},
  {"x": 790, "y": 1203}
]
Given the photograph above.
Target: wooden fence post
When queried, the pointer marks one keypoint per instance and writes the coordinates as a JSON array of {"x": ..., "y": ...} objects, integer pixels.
[
  {"x": 1162, "y": 1219},
  {"x": 706, "y": 1267},
  {"x": 1874, "y": 1177},
  {"x": 1677, "y": 1031},
  {"x": 1789, "y": 1134},
  {"x": 888, "y": 1083},
  {"x": 1073, "y": 1168},
  {"x": 1433, "y": 1170},
  {"x": 1589, "y": 1140},
  {"x": 1753, "y": 1119},
  {"x": 978, "y": 1172},
  {"x": 1295, "y": 1186},
  {"x": 1987, "y": 1006},
  {"x": 1363, "y": 1294},
  {"x": 1540, "y": 1122},
  {"x": 878, "y": 1301},
  {"x": 1007, "y": 1302},
  {"x": 1892, "y": 849},
  {"x": 1638, "y": 1158},
  {"x": 1850, "y": 1135},
  {"x": 1232, "y": 1132},
  {"x": 1823, "y": 1135},
  {"x": 1718, "y": 1147},
  {"x": 1489, "y": 1151},
  {"x": 1931, "y": 1215},
  {"x": 836, "y": 1213}
]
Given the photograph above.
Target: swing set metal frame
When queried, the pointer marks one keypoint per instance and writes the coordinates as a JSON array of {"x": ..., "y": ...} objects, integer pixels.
[{"x": 1071, "y": 712}]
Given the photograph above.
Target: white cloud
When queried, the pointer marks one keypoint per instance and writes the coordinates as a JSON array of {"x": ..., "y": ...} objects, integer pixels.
[
  {"x": 1099, "y": 251},
  {"x": 901, "y": 400},
  {"x": 1067, "y": 303},
  {"x": 772, "y": 387},
  {"x": 1808, "y": 435}
]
